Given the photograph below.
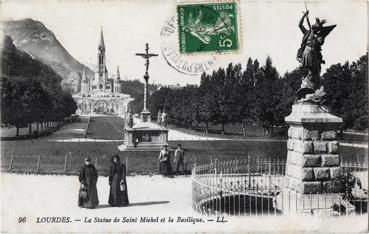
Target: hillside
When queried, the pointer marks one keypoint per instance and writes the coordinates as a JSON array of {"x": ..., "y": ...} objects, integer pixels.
[
  {"x": 35, "y": 39},
  {"x": 16, "y": 63}
]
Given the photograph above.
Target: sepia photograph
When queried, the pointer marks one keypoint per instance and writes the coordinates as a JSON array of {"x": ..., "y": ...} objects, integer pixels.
[{"x": 185, "y": 116}]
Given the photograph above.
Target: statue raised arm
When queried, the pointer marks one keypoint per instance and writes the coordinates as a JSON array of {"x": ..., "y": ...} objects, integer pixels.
[{"x": 301, "y": 23}]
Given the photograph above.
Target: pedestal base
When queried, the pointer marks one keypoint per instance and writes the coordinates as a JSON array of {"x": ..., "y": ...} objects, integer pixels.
[
  {"x": 313, "y": 161},
  {"x": 144, "y": 136},
  {"x": 289, "y": 202}
]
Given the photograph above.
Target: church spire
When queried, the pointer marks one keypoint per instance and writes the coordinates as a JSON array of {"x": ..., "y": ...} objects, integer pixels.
[{"x": 102, "y": 44}]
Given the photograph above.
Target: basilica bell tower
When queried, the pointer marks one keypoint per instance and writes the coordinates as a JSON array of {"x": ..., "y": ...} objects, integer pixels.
[{"x": 101, "y": 61}]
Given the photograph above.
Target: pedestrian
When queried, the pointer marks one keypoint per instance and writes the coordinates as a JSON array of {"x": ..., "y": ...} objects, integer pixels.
[
  {"x": 164, "y": 118},
  {"x": 179, "y": 160},
  {"x": 88, "y": 192},
  {"x": 165, "y": 166},
  {"x": 130, "y": 121},
  {"x": 118, "y": 195},
  {"x": 159, "y": 117}
]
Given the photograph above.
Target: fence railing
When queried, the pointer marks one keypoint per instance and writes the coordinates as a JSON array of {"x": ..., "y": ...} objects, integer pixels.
[
  {"x": 256, "y": 187},
  {"x": 71, "y": 164},
  {"x": 67, "y": 164}
]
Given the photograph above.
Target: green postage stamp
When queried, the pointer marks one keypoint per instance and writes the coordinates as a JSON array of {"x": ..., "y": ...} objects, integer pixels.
[{"x": 208, "y": 27}]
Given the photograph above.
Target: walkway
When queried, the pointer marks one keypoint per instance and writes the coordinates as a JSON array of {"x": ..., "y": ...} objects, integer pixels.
[
  {"x": 71, "y": 130},
  {"x": 151, "y": 197}
]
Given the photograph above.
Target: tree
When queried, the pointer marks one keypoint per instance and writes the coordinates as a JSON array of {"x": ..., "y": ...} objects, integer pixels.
[
  {"x": 31, "y": 91},
  {"x": 220, "y": 108},
  {"x": 246, "y": 92},
  {"x": 12, "y": 108},
  {"x": 357, "y": 103},
  {"x": 207, "y": 101},
  {"x": 22, "y": 101},
  {"x": 266, "y": 96},
  {"x": 348, "y": 92},
  {"x": 290, "y": 83},
  {"x": 336, "y": 81},
  {"x": 258, "y": 95}
]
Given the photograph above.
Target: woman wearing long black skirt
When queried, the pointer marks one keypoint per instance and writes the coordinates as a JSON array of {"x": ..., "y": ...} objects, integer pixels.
[
  {"x": 88, "y": 179},
  {"x": 118, "y": 195}
]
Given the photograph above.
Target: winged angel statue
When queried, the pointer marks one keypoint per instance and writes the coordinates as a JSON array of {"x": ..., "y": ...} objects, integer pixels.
[{"x": 310, "y": 57}]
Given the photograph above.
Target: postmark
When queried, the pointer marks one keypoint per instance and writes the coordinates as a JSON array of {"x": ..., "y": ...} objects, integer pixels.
[
  {"x": 208, "y": 27},
  {"x": 189, "y": 65}
]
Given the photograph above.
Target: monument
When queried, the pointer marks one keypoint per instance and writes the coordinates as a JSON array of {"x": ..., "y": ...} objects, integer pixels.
[
  {"x": 313, "y": 159},
  {"x": 142, "y": 134}
]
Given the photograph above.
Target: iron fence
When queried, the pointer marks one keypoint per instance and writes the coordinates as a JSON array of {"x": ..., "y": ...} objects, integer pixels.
[{"x": 256, "y": 187}]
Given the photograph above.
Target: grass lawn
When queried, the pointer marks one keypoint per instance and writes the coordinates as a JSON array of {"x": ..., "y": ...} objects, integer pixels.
[
  {"x": 53, "y": 154},
  {"x": 105, "y": 127},
  {"x": 234, "y": 131}
]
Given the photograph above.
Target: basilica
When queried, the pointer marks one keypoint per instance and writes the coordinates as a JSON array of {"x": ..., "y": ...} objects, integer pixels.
[{"x": 101, "y": 93}]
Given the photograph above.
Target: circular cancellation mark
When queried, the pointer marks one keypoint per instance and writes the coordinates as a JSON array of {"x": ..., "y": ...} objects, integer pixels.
[{"x": 186, "y": 64}]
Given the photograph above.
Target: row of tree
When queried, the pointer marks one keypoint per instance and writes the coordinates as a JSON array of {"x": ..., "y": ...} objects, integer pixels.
[
  {"x": 259, "y": 95},
  {"x": 30, "y": 90}
]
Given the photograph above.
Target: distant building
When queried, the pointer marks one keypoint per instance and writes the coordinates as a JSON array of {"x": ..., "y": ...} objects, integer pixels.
[{"x": 101, "y": 93}]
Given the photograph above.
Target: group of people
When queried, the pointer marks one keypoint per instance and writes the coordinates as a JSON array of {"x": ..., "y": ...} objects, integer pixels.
[
  {"x": 118, "y": 195},
  {"x": 165, "y": 165},
  {"x": 161, "y": 120}
]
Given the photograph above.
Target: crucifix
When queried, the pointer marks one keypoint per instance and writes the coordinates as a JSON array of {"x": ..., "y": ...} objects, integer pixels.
[{"x": 145, "y": 114}]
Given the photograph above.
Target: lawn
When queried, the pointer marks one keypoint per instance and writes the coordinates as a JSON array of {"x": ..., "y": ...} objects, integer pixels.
[
  {"x": 235, "y": 131},
  {"x": 53, "y": 154},
  {"x": 105, "y": 127}
]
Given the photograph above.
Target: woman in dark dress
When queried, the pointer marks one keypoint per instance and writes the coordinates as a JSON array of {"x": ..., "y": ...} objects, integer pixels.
[
  {"x": 165, "y": 166},
  {"x": 88, "y": 179},
  {"x": 118, "y": 195}
]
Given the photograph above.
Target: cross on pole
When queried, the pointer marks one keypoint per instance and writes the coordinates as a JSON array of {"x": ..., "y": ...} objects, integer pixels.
[
  {"x": 146, "y": 56},
  {"x": 145, "y": 114}
]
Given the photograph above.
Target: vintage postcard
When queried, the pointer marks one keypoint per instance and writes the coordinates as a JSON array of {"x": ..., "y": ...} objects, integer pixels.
[{"x": 206, "y": 116}]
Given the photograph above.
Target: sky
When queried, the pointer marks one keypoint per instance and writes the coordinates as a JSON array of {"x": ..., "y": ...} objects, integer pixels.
[{"x": 267, "y": 28}]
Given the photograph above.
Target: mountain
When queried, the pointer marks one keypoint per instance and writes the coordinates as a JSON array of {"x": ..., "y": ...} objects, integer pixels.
[
  {"x": 32, "y": 37},
  {"x": 15, "y": 63}
]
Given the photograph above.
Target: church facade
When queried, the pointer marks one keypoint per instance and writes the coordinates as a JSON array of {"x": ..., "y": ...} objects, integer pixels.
[{"x": 101, "y": 93}]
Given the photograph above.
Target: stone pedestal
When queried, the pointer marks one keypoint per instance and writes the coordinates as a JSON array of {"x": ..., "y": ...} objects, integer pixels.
[
  {"x": 313, "y": 153},
  {"x": 312, "y": 158},
  {"x": 144, "y": 136}
]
